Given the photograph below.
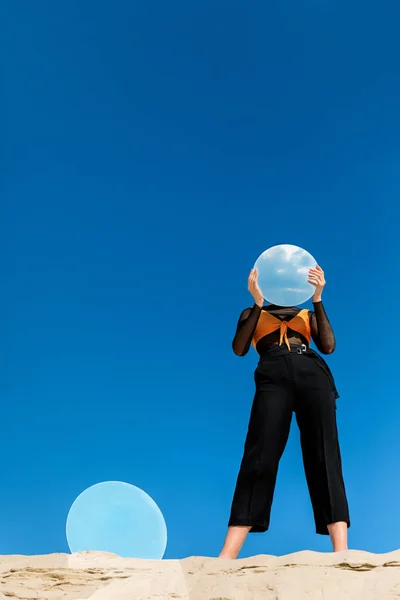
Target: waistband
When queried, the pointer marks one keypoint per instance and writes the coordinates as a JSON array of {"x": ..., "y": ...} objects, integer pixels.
[
  {"x": 283, "y": 349},
  {"x": 304, "y": 350}
]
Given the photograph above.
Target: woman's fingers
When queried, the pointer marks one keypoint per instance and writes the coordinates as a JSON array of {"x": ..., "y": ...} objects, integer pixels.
[
  {"x": 251, "y": 279},
  {"x": 253, "y": 276},
  {"x": 253, "y": 286},
  {"x": 317, "y": 273}
]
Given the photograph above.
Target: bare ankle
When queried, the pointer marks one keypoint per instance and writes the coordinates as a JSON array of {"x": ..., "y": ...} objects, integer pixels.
[{"x": 234, "y": 541}]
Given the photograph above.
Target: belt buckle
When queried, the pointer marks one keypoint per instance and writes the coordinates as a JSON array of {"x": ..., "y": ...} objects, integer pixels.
[{"x": 302, "y": 349}]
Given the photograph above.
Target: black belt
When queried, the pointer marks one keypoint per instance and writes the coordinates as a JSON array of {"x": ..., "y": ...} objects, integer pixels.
[
  {"x": 299, "y": 349},
  {"x": 283, "y": 349}
]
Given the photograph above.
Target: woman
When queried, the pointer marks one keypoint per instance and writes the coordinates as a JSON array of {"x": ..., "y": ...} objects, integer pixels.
[{"x": 289, "y": 378}]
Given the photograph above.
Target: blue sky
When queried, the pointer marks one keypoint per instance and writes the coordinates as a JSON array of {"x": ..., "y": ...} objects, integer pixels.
[{"x": 150, "y": 151}]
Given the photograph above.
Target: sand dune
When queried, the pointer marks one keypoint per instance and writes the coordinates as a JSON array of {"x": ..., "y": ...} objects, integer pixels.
[{"x": 352, "y": 575}]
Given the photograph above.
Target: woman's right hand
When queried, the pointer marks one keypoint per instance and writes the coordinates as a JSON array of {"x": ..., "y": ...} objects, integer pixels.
[{"x": 254, "y": 288}]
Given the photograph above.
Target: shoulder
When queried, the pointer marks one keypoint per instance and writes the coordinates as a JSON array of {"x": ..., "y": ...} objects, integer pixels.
[
  {"x": 246, "y": 312},
  {"x": 305, "y": 313}
]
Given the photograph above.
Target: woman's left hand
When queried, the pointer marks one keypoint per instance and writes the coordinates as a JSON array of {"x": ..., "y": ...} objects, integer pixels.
[{"x": 317, "y": 278}]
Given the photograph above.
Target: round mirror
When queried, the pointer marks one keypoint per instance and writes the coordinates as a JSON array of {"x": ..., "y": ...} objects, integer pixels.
[
  {"x": 117, "y": 517},
  {"x": 283, "y": 275}
]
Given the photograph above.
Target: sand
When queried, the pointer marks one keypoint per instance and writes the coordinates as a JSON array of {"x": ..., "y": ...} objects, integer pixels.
[{"x": 349, "y": 575}]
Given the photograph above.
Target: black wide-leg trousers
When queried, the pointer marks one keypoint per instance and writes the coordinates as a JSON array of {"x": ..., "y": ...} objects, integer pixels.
[{"x": 288, "y": 382}]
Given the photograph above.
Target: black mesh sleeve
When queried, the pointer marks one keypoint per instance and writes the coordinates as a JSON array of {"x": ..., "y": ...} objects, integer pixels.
[
  {"x": 321, "y": 330},
  {"x": 245, "y": 329}
]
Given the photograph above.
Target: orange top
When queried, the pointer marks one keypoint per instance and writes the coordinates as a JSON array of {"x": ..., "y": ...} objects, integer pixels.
[{"x": 267, "y": 323}]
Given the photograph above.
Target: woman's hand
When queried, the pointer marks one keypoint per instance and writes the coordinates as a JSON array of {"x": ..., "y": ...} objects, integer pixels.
[
  {"x": 317, "y": 278},
  {"x": 254, "y": 289}
]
